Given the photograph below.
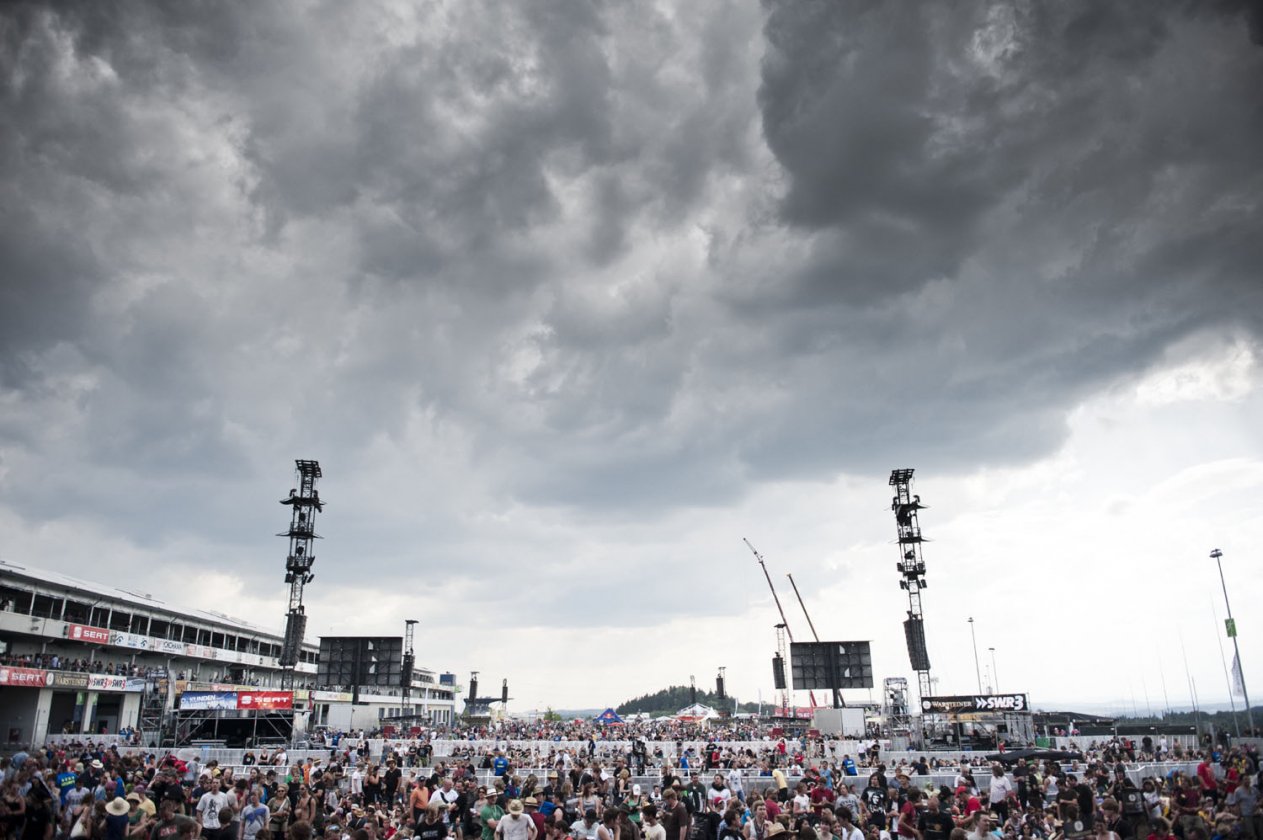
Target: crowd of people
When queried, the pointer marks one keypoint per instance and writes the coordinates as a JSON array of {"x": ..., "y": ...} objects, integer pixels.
[
  {"x": 88, "y": 792},
  {"x": 56, "y": 662}
]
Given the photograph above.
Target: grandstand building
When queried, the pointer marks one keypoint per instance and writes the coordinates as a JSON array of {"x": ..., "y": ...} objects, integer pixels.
[{"x": 85, "y": 657}]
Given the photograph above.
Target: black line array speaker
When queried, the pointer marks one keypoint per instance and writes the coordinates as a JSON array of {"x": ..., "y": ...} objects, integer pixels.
[{"x": 914, "y": 632}]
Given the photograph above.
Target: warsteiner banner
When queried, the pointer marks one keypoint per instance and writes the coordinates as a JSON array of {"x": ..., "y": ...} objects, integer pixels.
[{"x": 956, "y": 704}]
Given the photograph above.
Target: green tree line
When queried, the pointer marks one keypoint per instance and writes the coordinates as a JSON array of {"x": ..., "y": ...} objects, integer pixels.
[{"x": 668, "y": 701}]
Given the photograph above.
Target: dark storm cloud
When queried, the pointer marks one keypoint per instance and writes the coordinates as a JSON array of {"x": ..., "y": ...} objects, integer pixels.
[{"x": 600, "y": 260}]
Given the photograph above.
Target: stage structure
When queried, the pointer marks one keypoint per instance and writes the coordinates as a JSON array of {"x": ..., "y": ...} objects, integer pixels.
[
  {"x": 979, "y": 721},
  {"x": 304, "y": 502},
  {"x": 480, "y": 707},
  {"x": 353, "y": 662},
  {"x": 911, "y": 567},
  {"x": 831, "y": 665}
]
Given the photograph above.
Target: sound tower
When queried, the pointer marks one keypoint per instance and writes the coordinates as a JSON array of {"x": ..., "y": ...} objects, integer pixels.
[
  {"x": 778, "y": 672},
  {"x": 914, "y": 634}
]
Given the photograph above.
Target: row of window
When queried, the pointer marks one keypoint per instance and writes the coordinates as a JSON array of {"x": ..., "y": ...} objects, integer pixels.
[{"x": 111, "y": 617}]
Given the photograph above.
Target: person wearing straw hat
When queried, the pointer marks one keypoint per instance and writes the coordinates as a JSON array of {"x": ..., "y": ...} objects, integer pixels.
[
  {"x": 116, "y": 822},
  {"x": 516, "y": 825}
]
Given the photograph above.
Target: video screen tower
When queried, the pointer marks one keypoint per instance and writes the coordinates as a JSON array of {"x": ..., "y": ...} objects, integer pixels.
[
  {"x": 305, "y": 502},
  {"x": 911, "y": 567}
]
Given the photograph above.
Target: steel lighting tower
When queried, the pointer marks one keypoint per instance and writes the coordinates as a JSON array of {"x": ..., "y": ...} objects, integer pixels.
[
  {"x": 409, "y": 662},
  {"x": 1231, "y": 624},
  {"x": 304, "y": 501},
  {"x": 911, "y": 567}
]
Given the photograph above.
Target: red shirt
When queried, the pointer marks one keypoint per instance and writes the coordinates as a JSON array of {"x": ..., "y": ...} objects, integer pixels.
[
  {"x": 1206, "y": 775},
  {"x": 908, "y": 820},
  {"x": 821, "y": 798},
  {"x": 773, "y": 809}
]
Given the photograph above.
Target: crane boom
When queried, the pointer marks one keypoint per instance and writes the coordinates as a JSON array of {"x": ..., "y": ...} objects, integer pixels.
[
  {"x": 780, "y": 609},
  {"x": 807, "y": 615},
  {"x": 775, "y": 597}
]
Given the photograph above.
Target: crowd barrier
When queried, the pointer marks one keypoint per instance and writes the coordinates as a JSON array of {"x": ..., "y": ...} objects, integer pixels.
[{"x": 758, "y": 784}]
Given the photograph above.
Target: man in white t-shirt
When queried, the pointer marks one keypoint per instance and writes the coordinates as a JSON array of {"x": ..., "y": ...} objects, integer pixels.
[
  {"x": 652, "y": 829},
  {"x": 515, "y": 825},
  {"x": 446, "y": 796},
  {"x": 1001, "y": 790},
  {"x": 209, "y": 805}
]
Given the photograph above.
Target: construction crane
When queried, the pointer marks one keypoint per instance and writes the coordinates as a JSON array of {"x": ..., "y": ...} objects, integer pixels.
[
  {"x": 782, "y": 627},
  {"x": 837, "y": 693}
]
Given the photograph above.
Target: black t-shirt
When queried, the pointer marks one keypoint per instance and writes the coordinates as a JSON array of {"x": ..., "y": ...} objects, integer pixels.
[
  {"x": 38, "y": 819},
  {"x": 936, "y": 825},
  {"x": 875, "y": 799},
  {"x": 1086, "y": 800},
  {"x": 392, "y": 778},
  {"x": 430, "y": 831},
  {"x": 1132, "y": 800},
  {"x": 168, "y": 829}
]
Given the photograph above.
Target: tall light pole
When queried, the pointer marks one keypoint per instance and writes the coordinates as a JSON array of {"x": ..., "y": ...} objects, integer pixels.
[
  {"x": 1236, "y": 650},
  {"x": 977, "y": 667},
  {"x": 995, "y": 675}
]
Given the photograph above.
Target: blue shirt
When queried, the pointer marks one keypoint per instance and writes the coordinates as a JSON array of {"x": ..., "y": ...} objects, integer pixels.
[{"x": 500, "y": 765}]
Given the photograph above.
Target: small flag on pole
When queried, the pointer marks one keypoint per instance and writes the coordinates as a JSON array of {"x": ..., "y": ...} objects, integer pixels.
[{"x": 1238, "y": 679}]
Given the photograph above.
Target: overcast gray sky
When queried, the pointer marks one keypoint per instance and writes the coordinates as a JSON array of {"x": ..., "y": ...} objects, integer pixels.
[{"x": 569, "y": 297}]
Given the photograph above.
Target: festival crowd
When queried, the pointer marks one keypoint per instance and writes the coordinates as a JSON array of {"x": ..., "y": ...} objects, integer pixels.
[{"x": 90, "y": 792}]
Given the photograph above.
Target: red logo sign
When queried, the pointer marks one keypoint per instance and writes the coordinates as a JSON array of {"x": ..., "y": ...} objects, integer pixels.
[
  {"x": 265, "y": 700},
  {"x": 23, "y": 676},
  {"x": 91, "y": 635}
]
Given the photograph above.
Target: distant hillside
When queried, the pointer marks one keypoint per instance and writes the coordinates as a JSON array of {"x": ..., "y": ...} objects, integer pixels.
[{"x": 668, "y": 701}]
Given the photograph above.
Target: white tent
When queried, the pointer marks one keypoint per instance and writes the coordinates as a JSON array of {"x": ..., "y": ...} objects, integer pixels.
[{"x": 696, "y": 712}]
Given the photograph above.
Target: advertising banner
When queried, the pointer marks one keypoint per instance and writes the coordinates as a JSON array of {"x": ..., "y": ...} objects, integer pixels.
[
  {"x": 331, "y": 696},
  {"x": 208, "y": 700},
  {"x": 210, "y": 686},
  {"x": 68, "y": 679},
  {"x": 266, "y": 700},
  {"x": 168, "y": 646},
  {"x": 135, "y": 641},
  {"x": 107, "y": 682},
  {"x": 89, "y": 634},
  {"x": 35, "y": 677},
  {"x": 962, "y": 703}
]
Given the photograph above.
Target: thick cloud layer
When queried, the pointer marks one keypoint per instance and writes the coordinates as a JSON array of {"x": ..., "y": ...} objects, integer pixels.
[{"x": 522, "y": 276}]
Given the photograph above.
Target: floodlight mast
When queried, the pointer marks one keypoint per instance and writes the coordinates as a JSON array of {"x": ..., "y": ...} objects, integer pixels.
[
  {"x": 304, "y": 502},
  {"x": 911, "y": 567}
]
